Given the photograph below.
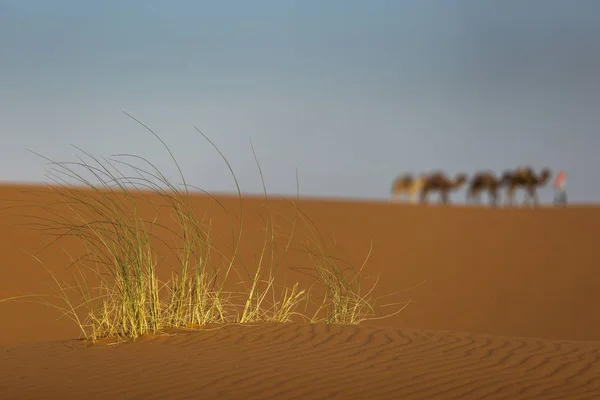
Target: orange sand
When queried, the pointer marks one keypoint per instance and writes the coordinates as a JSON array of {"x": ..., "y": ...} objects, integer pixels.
[{"x": 523, "y": 282}]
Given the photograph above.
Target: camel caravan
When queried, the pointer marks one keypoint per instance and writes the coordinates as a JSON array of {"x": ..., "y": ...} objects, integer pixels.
[{"x": 418, "y": 188}]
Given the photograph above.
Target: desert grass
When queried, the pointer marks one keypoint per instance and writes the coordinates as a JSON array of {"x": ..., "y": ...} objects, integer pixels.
[
  {"x": 344, "y": 301},
  {"x": 102, "y": 212}
]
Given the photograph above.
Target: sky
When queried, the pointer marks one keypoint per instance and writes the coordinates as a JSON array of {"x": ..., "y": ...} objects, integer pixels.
[{"x": 346, "y": 94}]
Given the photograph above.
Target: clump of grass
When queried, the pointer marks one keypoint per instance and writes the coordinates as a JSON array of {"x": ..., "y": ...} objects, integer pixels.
[
  {"x": 105, "y": 216},
  {"x": 344, "y": 301},
  {"x": 255, "y": 308},
  {"x": 130, "y": 300}
]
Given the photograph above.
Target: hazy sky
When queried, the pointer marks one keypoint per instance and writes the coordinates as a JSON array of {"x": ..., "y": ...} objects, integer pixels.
[{"x": 349, "y": 92}]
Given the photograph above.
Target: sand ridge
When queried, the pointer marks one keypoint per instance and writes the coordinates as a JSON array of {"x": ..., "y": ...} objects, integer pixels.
[{"x": 302, "y": 361}]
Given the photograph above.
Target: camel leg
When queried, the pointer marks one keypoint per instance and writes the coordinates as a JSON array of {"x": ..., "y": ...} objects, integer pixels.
[
  {"x": 527, "y": 197},
  {"x": 510, "y": 195},
  {"x": 444, "y": 196},
  {"x": 414, "y": 197},
  {"x": 414, "y": 192},
  {"x": 473, "y": 196},
  {"x": 493, "y": 196},
  {"x": 476, "y": 197},
  {"x": 424, "y": 193},
  {"x": 533, "y": 196},
  {"x": 400, "y": 195},
  {"x": 469, "y": 198}
]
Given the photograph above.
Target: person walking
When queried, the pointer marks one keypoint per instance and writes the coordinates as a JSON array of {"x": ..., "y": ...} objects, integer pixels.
[{"x": 560, "y": 194}]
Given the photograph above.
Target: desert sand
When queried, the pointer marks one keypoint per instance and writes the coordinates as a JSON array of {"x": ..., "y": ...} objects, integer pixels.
[{"x": 503, "y": 305}]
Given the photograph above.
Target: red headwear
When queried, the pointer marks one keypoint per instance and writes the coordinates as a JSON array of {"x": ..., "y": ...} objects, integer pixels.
[{"x": 560, "y": 179}]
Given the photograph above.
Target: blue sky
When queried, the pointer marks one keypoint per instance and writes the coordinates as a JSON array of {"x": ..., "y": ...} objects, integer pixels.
[{"x": 350, "y": 93}]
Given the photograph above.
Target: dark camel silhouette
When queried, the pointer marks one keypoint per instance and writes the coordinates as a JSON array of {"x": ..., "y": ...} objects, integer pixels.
[
  {"x": 484, "y": 181},
  {"x": 407, "y": 184},
  {"x": 438, "y": 181},
  {"x": 526, "y": 178}
]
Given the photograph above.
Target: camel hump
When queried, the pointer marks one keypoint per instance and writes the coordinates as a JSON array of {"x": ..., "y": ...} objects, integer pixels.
[
  {"x": 419, "y": 182},
  {"x": 523, "y": 170},
  {"x": 483, "y": 177},
  {"x": 437, "y": 176}
]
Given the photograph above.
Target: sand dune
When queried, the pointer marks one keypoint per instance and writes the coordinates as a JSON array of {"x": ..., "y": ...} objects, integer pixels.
[
  {"x": 300, "y": 361},
  {"x": 523, "y": 282}
]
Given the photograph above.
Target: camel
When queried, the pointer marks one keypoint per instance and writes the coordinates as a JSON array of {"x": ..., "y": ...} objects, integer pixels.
[
  {"x": 440, "y": 182},
  {"x": 525, "y": 177},
  {"x": 484, "y": 181},
  {"x": 407, "y": 184}
]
